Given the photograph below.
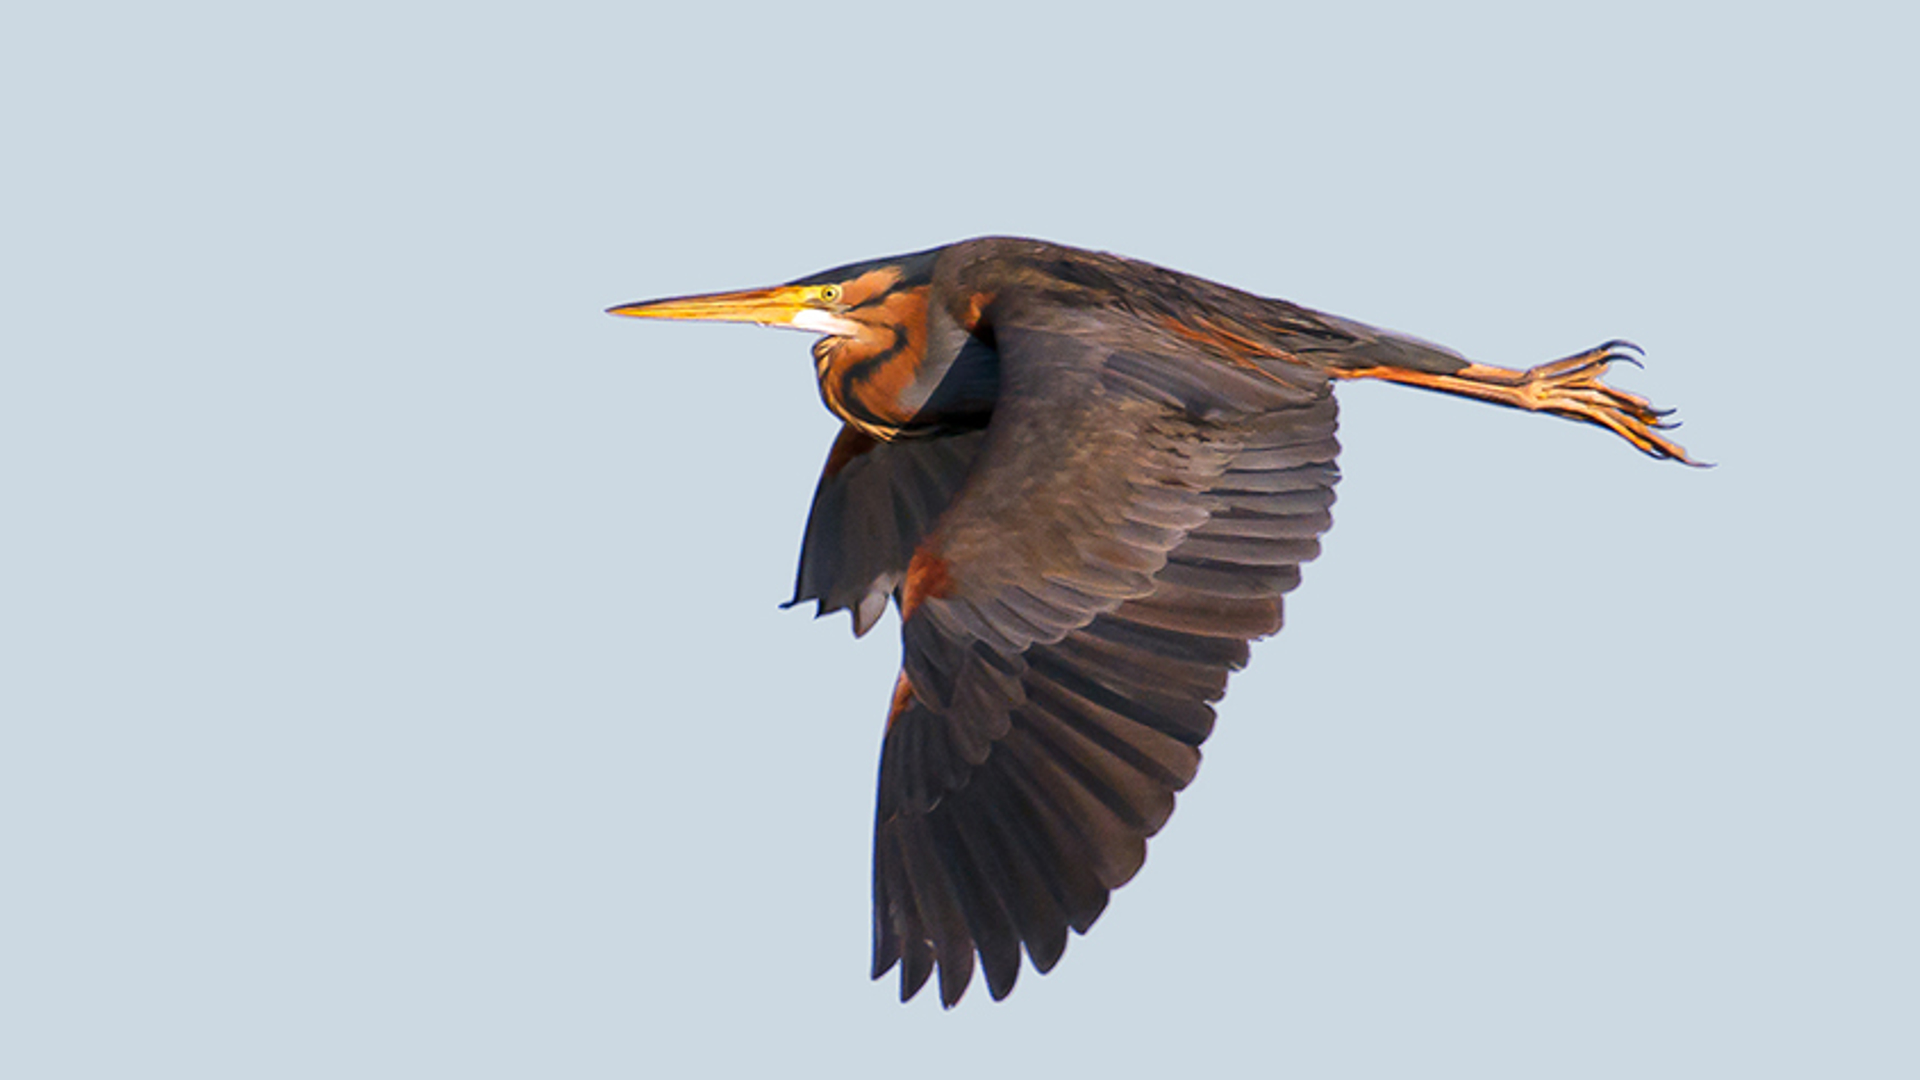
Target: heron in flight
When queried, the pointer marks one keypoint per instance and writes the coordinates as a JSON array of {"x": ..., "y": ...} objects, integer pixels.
[{"x": 1085, "y": 482}]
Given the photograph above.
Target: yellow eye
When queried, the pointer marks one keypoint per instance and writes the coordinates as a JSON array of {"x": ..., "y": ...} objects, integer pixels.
[{"x": 830, "y": 293}]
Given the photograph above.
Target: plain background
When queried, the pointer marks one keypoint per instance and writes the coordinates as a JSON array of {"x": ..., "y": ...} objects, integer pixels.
[{"x": 393, "y": 684}]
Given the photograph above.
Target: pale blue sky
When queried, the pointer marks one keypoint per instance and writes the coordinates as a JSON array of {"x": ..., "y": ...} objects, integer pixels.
[{"x": 393, "y": 683}]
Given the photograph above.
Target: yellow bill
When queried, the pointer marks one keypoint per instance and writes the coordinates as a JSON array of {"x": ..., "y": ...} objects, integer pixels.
[{"x": 803, "y": 307}]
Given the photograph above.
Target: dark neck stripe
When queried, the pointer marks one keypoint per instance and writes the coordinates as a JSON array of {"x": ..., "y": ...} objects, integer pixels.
[{"x": 861, "y": 370}]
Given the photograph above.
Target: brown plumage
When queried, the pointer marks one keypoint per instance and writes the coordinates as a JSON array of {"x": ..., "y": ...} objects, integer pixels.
[{"x": 1086, "y": 483}]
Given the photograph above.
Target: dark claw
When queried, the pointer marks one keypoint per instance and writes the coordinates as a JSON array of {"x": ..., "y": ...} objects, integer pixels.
[
  {"x": 1622, "y": 343},
  {"x": 1624, "y": 358}
]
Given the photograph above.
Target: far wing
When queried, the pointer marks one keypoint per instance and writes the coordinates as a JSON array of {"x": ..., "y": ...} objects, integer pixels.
[
  {"x": 1133, "y": 518},
  {"x": 874, "y": 502}
]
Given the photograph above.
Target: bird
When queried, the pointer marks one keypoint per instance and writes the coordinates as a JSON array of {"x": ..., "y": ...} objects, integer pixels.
[{"x": 1085, "y": 483}]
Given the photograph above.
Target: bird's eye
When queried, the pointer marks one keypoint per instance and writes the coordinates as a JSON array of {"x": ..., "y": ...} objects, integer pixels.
[{"x": 830, "y": 293}]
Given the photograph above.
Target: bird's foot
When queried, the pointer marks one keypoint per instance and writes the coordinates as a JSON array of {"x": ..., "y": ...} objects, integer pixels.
[{"x": 1573, "y": 388}]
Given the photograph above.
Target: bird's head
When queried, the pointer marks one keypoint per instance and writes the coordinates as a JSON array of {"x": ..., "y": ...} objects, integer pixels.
[
  {"x": 845, "y": 302},
  {"x": 873, "y": 358}
]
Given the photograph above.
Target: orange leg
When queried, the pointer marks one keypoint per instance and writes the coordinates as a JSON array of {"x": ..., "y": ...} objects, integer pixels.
[{"x": 1569, "y": 387}]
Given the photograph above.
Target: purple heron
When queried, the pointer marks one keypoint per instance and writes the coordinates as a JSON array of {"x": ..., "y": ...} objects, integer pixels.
[{"x": 1085, "y": 482}]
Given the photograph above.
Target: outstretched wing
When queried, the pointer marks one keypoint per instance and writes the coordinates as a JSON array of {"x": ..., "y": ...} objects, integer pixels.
[{"x": 1132, "y": 520}]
